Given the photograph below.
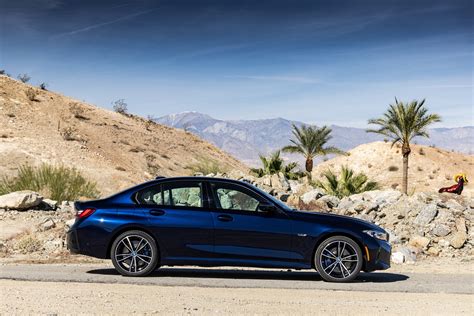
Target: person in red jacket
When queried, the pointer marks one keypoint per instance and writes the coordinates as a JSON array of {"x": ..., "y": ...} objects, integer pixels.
[{"x": 457, "y": 188}]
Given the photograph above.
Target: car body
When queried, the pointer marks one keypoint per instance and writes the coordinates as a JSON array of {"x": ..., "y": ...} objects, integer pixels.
[{"x": 221, "y": 222}]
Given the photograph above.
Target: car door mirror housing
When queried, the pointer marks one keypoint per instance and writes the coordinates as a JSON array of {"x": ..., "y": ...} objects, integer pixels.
[{"x": 266, "y": 208}]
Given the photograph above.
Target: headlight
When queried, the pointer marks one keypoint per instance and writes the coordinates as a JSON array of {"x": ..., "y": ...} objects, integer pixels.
[{"x": 377, "y": 235}]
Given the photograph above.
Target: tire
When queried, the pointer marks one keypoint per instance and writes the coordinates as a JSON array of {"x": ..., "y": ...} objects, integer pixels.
[
  {"x": 134, "y": 253},
  {"x": 338, "y": 259}
]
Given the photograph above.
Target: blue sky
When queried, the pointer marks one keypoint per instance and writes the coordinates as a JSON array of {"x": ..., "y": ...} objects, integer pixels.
[{"x": 323, "y": 62}]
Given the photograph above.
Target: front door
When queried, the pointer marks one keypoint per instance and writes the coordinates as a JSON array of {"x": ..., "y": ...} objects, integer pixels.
[
  {"x": 243, "y": 234},
  {"x": 180, "y": 220}
]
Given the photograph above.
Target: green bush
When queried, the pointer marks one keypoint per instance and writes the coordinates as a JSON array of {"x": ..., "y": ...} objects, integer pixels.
[
  {"x": 274, "y": 165},
  {"x": 347, "y": 183},
  {"x": 207, "y": 166},
  {"x": 56, "y": 182}
]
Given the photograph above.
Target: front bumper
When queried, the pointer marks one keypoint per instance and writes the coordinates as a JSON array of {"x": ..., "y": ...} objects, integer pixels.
[{"x": 377, "y": 255}]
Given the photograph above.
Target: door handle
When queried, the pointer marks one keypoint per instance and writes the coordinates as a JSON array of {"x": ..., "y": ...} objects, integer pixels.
[
  {"x": 225, "y": 218},
  {"x": 157, "y": 212}
]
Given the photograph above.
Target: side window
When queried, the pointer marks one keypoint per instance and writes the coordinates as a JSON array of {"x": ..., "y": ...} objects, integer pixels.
[
  {"x": 229, "y": 197},
  {"x": 185, "y": 194}
]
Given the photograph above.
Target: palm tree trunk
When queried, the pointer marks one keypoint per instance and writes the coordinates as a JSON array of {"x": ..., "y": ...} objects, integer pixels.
[
  {"x": 406, "y": 152},
  {"x": 309, "y": 164}
]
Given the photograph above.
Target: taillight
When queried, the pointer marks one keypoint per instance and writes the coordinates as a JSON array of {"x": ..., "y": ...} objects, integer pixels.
[{"x": 85, "y": 213}]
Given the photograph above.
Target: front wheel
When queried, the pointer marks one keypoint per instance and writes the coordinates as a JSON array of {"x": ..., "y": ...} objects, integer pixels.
[
  {"x": 134, "y": 253},
  {"x": 338, "y": 259}
]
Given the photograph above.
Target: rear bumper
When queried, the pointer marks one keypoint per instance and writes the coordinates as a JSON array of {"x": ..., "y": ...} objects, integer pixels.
[
  {"x": 379, "y": 256},
  {"x": 78, "y": 243}
]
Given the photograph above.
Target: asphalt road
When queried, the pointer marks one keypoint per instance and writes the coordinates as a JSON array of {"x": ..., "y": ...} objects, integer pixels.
[{"x": 243, "y": 278}]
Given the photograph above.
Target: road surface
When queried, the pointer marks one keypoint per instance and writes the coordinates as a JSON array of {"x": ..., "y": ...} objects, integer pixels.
[{"x": 74, "y": 288}]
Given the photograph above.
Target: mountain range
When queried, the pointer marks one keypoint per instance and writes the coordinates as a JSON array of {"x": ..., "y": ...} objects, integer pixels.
[{"x": 246, "y": 139}]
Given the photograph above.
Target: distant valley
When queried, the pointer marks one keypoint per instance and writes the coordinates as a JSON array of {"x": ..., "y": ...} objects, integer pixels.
[{"x": 246, "y": 139}]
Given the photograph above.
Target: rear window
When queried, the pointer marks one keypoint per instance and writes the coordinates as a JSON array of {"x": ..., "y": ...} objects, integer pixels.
[{"x": 184, "y": 194}]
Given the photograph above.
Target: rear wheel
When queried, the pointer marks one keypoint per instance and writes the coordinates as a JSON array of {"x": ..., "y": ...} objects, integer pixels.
[
  {"x": 338, "y": 259},
  {"x": 134, "y": 253}
]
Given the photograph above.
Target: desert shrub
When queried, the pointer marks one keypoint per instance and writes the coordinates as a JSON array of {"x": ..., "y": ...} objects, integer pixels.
[
  {"x": 369, "y": 165},
  {"x": 24, "y": 78},
  {"x": 78, "y": 111},
  {"x": 56, "y": 182},
  {"x": 421, "y": 151},
  {"x": 393, "y": 168},
  {"x": 31, "y": 94},
  {"x": 28, "y": 244},
  {"x": 43, "y": 86},
  {"x": 347, "y": 183},
  {"x": 69, "y": 134},
  {"x": 385, "y": 140},
  {"x": 394, "y": 185},
  {"x": 431, "y": 176},
  {"x": 2, "y": 71},
  {"x": 274, "y": 164},
  {"x": 420, "y": 169},
  {"x": 120, "y": 106},
  {"x": 207, "y": 166}
]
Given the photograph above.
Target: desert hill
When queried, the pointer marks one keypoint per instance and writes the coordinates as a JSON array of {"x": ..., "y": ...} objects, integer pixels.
[
  {"x": 429, "y": 168},
  {"x": 115, "y": 150}
]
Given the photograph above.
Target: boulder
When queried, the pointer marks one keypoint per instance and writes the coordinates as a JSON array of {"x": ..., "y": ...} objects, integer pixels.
[
  {"x": 459, "y": 238},
  {"x": 48, "y": 204},
  {"x": 454, "y": 205},
  {"x": 312, "y": 195},
  {"x": 398, "y": 257},
  {"x": 293, "y": 201},
  {"x": 331, "y": 200},
  {"x": 315, "y": 205},
  {"x": 408, "y": 253},
  {"x": 381, "y": 197},
  {"x": 419, "y": 242},
  {"x": 441, "y": 230},
  {"x": 427, "y": 214},
  {"x": 20, "y": 200},
  {"x": 47, "y": 224},
  {"x": 70, "y": 222}
]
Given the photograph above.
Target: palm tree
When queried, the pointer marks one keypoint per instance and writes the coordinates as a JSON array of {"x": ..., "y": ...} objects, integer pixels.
[
  {"x": 347, "y": 183},
  {"x": 274, "y": 164},
  {"x": 402, "y": 122},
  {"x": 310, "y": 142}
]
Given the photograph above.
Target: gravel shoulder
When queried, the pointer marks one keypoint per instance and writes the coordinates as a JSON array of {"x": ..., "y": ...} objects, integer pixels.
[{"x": 23, "y": 297}]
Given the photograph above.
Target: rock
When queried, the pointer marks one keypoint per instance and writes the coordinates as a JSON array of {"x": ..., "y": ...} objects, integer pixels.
[
  {"x": 199, "y": 174},
  {"x": 443, "y": 243},
  {"x": 70, "y": 222},
  {"x": 312, "y": 195},
  {"x": 454, "y": 205},
  {"x": 459, "y": 238},
  {"x": 427, "y": 214},
  {"x": 419, "y": 242},
  {"x": 48, "y": 204},
  {"x": 433, "y": 251},
  {"x": 47, "y": 224},
  {"x": 441, "y": 230},
  {"x": 364, "y": 217},
  {"x": 409, "y": 254},
  {"x": 315, "y": 205},
  {"x": 345, "y": 203},
  {"x": 285, "y": 185},
  {"x": 382, "y": 197},
  {"x": 398, "y": 258},
  {"x": 330, "y": 200},
  {"x": 20, "y": 200},
  {"x": 284, "y": 197}
]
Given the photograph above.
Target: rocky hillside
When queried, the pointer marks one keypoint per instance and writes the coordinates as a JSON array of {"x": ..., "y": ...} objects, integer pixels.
[
  {"x": 429, "y": 168},
  {"x": 245, "y": 139},
  {"x": 113, "y": 149}
]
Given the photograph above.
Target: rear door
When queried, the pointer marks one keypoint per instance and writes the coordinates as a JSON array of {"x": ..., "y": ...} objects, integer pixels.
[
  {"x": 242, "y": 232},
  {"x": 180, "y": 219}
]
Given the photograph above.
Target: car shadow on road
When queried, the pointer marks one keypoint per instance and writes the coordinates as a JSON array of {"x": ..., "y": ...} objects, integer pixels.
[{"x": 375, "y": 277}]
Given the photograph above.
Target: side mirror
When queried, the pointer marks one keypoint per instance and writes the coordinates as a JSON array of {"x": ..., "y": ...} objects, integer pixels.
[{"x": 266, "y": 208}]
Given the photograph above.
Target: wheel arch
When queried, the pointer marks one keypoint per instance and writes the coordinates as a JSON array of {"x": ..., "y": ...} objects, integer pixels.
[
  {"x": 126, "y": 228},
  {"x": 350, "y": 235}
]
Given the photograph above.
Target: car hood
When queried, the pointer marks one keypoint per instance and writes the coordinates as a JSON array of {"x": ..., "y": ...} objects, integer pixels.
[{"x": 335, "y": 219}]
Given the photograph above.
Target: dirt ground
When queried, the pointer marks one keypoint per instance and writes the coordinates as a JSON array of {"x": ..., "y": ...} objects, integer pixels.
[{"x": 20, "y": 297}]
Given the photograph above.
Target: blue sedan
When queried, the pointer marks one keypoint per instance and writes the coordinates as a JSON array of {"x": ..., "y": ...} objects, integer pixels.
[{"x": 220, "y": 222}]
